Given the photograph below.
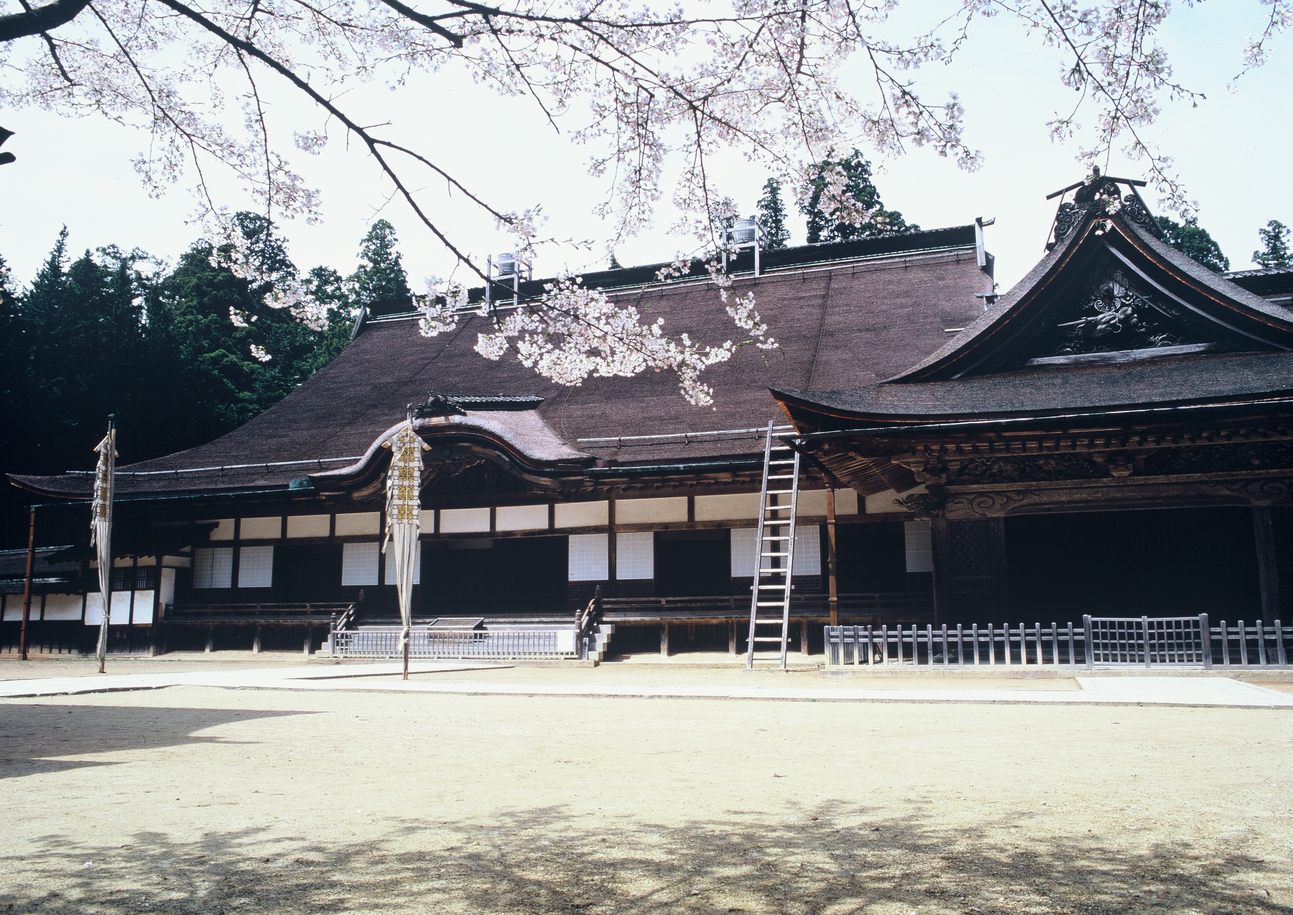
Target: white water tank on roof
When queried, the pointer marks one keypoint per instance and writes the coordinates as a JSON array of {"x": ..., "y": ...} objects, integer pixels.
[{"x": 744, "y": 232}]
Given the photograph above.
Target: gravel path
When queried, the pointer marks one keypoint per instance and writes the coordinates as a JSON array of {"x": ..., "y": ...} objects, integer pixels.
[{"x": 203, "y": 800}]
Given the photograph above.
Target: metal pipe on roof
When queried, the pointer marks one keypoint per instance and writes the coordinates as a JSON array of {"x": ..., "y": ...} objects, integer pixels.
[
  {"x": 682, "y": 436},
  {"x": 221, "y": 467}
]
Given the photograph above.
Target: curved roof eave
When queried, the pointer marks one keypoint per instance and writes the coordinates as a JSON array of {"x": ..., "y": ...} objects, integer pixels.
[{"x": 967, "y": 349}]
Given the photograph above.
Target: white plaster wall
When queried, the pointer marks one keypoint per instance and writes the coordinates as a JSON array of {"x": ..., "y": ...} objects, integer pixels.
[
  {"x": 308, "y": 525},
  {"x": 521, "y": 517},
  {"x": 66, "y": 607},
  {"x": 464, "y": 521},
  {"x": 120, "y": 615},
  {"x": 582, "y": 514},
  {"x": 355, "y": 524},
  {"x": 260, "y": 528},
  {"x": 651, "y": 511},
  {"x": 743, "y": 506}
]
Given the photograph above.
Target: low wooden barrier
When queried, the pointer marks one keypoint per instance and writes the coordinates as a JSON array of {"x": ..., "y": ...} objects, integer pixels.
[
  {"x": 1144, "y": 641},
  {"x": 493, "y": 644}
]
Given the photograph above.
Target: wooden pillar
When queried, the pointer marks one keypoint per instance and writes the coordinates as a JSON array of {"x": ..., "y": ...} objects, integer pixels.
[
  {"x": 832, "y": 581},
  {"x": 210, "y": 646},
  {"x": 26, "y": 585},
  {"x": 1268, "y": 567},
  {"x": 154, "y": 631},
  {"x": 255, "y": 642},
  {"x": 664, "y": 639},
  {"x": 612, "y": 552},
  {"x": 803, "y": 638},
  {"x": 309, "y": 641},
  {"x": 731, "y": 637}
]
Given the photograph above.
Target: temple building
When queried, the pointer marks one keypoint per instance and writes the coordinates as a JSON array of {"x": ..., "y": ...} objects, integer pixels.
[{"x": 1112, "y": 435}]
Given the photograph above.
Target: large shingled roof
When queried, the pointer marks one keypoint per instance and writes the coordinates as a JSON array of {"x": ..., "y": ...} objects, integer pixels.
[
  {"x": 984, "y": 372},
  {"x": 850, "y": 321}
]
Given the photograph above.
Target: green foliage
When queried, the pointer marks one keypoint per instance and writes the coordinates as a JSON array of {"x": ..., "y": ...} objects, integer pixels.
[
  {"x": 1275, "y": 246},
  {"x": 772, "y": 217},
  {"x": 327, "y": 288},
  {"x": 1194, "y": 241},
  {"x": 180, "y": 356},
  {"x": 380, "y": 284},
  {"x": 858, "y": 213}
]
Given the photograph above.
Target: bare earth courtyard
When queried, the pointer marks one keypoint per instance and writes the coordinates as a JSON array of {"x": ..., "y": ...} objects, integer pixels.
[{"x": 197, "y": 799}]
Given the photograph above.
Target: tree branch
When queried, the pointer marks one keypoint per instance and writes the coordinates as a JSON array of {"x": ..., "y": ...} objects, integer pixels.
[{"x": 34, "y": 22}]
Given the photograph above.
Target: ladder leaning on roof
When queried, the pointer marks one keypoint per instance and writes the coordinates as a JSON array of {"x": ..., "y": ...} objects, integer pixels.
[{"x": 774, "y": 552}]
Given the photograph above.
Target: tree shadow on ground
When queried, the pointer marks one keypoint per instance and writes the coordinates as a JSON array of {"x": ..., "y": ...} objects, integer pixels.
[
  {"x": 35, "y": 733},
  {"x": 841, "y": 858}
]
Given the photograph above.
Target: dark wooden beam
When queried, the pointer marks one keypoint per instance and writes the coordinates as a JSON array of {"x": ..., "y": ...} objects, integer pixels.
[{"x": 1268, "y": 571}]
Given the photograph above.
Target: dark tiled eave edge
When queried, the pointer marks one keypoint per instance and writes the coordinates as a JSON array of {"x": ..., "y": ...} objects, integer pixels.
[{"x": 877, "y": 427}]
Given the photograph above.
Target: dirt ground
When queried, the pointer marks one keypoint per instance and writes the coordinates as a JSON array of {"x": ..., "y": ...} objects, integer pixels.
[{"x": 190, "y": 800}]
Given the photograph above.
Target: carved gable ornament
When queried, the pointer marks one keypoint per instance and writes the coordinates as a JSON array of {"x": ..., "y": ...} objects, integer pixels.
[{"x": 1114, "y": 316}]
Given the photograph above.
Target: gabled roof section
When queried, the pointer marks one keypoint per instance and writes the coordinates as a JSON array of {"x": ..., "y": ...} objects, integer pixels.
[
  {"x": 1109, "y": 290},
  {"x": 843, "y": 316}
]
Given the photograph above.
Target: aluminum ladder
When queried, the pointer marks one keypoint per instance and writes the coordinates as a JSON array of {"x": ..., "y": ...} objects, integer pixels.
[{"x": 774, "y": 552}]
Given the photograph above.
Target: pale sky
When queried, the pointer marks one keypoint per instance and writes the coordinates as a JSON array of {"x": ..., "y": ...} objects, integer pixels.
[{"x": 1231, "y": 150}]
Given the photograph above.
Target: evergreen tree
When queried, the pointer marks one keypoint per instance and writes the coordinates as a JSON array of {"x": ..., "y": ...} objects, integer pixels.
[
  {"x": 861, "y": 214},
  {"x": 772, "y": 217},
  {"x": 380, "y": 284},
  {"x": 1193, "y": 240},
  {"x": 84, "y": 332},
  {"x": 209, "y": 313},
  {"x": 327, "y": 289},
  {"x": 13, "y": 369},
  {"x": 1275, "y": 246}
]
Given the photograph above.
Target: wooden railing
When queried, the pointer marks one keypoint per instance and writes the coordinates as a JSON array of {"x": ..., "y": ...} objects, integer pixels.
[
  {"x": 491, "y": 644},
  {"x": 955, "y": 646},
  {"x": 586, "y": 621},
  {"x": 344, "y": 620},
  {"x": 1187, "y": 641}
]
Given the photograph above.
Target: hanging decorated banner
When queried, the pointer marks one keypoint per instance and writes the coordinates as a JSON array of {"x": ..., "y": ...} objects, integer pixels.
[
  {"x": 101, "y": 529},
  {"x": 403, "y": 517}
]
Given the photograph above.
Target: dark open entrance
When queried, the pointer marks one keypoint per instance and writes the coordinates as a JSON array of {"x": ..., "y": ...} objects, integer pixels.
[
  {"x": 871, "y": 558},
  {"x": 306, "y": 572},
  {"x": 693, "y": 563},
  {"x": 1169, "y": 562},
  {"x": 522, "y": 576}
]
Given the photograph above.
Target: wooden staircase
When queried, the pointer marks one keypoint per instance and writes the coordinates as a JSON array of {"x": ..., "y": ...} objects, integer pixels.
[{"x": 774, "y": 560}]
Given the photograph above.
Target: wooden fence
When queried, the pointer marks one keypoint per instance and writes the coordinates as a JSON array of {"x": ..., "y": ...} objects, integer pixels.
[
  {"x": 492, "y": 644},
  {"x": 1187, "y": 641}
]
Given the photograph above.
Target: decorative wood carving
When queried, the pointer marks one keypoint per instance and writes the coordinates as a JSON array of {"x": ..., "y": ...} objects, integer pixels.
[
  {"x": 1104, "y": 198},
  {"x": 1029, "y": 469},
  {"x": 922, "y": 504},
  {"x": 1115, "y": 317}
]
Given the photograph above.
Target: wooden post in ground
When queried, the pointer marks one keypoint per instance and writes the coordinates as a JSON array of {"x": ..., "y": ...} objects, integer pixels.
[
  {"x": 731, "y": 637},
  {"x": 26, "y": 584},
  {"x": 664, "y": 639},
  {"x": 832, "y": 582}
]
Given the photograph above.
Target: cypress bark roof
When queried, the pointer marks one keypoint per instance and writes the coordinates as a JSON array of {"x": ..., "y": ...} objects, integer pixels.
[
  {"x": 1197, "y": 338},
  {"x": 848, "y": 322}
]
